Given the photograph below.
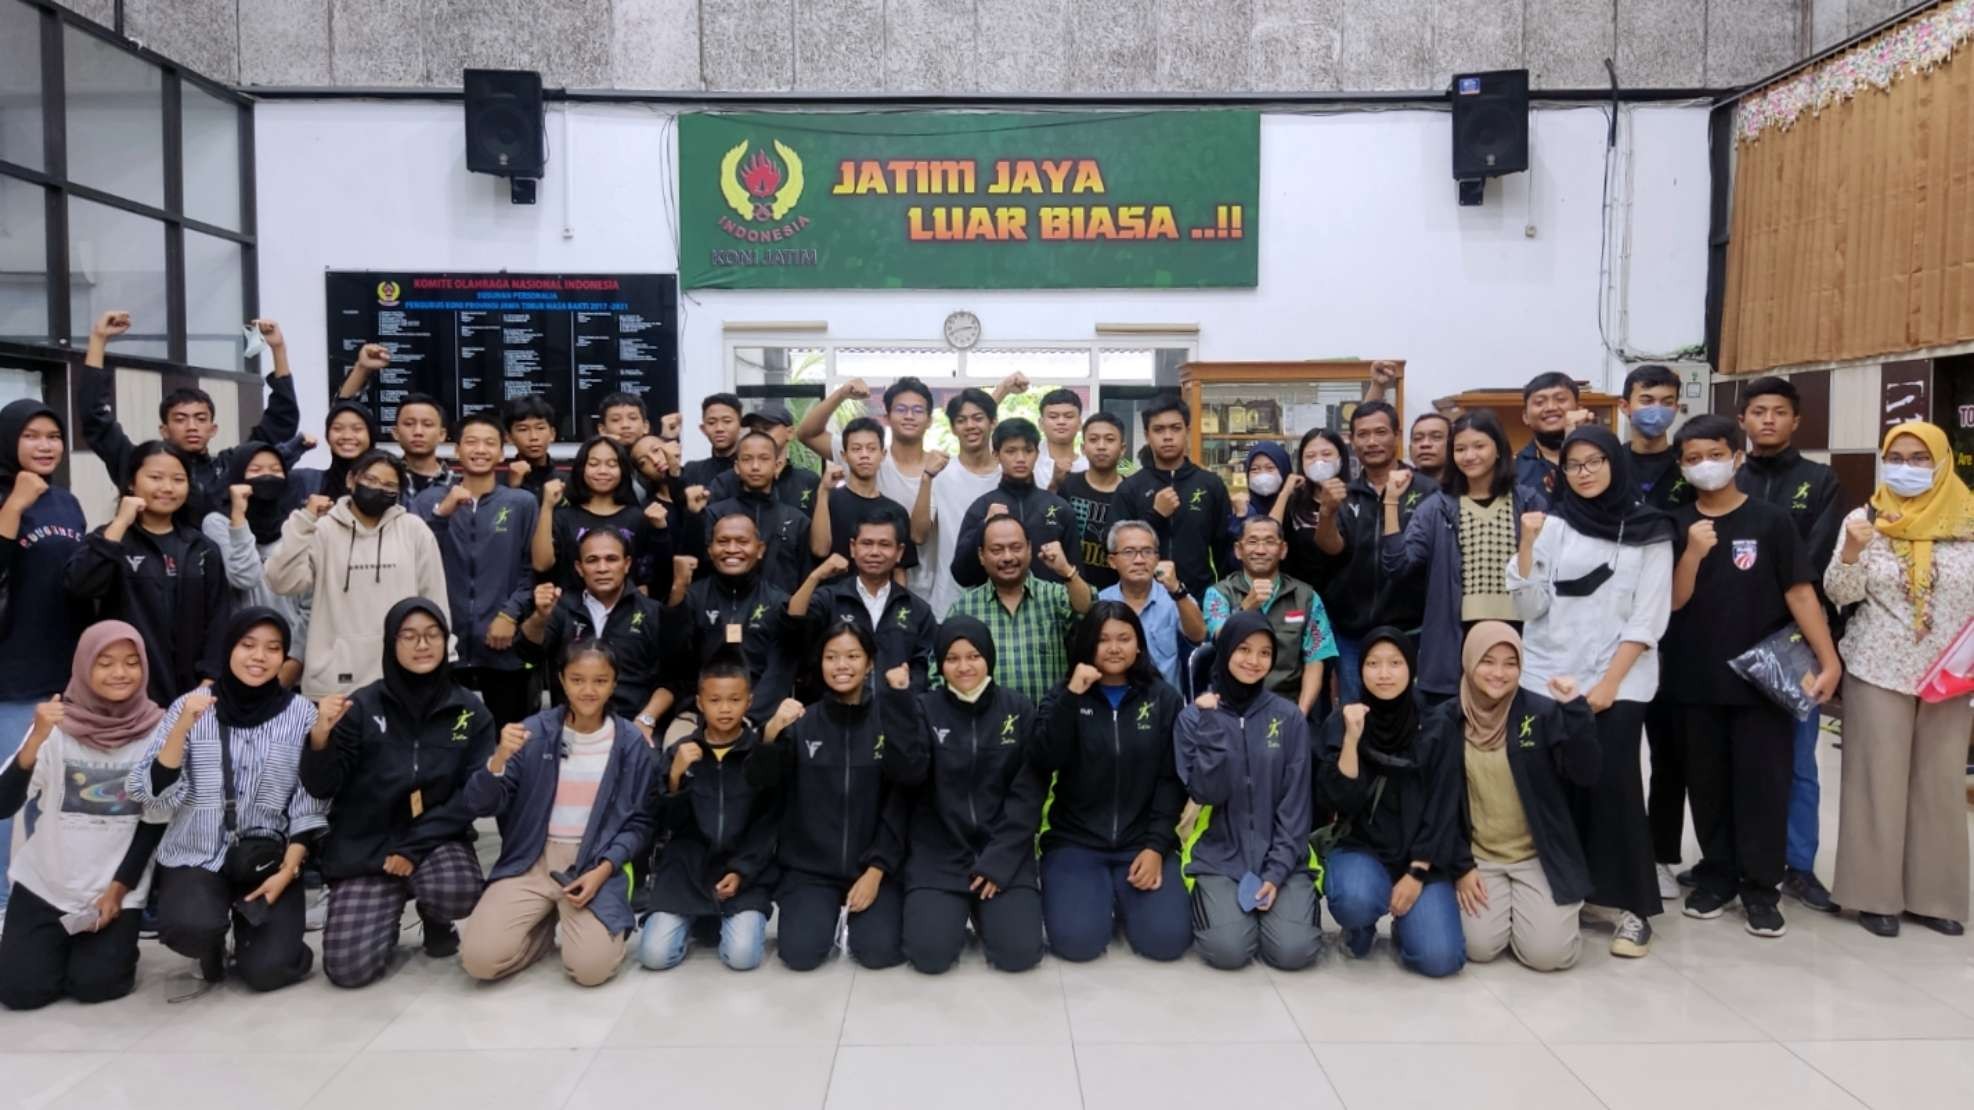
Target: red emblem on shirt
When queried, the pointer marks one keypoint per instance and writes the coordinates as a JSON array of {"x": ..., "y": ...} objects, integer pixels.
[{"x": 1744, "y": 554}]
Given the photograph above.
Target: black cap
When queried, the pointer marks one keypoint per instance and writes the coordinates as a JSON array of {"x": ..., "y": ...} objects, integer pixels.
[{"x": 774, "y": 412}]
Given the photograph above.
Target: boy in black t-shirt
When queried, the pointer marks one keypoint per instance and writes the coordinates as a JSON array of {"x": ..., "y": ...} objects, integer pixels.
[
  {"x": 841, "y": 509},
  {"x": 1741, "y": 573},
  {"x": 1091, "y": 492}
]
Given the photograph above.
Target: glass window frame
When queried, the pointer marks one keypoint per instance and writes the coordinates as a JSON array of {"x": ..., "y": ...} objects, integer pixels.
[{"x": 58, "y": 190}]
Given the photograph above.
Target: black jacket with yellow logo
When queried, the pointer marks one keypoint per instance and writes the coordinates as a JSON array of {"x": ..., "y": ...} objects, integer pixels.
[{"x": 977, "y": 797}]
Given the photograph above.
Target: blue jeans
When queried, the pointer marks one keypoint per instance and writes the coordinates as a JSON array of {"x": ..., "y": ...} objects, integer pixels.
[
  {"x": 1084, "y": 890},
  {"x": 1804, "y": 797},
  {"x": 1349, "y": 665},
  {"x": 16, "y": 717},
  {"x": 743, "y": 939},
  {"x": 1429, "y": 938}
]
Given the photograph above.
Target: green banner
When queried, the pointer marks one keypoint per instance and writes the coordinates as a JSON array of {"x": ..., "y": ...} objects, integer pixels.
[{"x": 967, "y": 200}]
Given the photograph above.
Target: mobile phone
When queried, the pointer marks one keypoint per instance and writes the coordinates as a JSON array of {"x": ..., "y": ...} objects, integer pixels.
[
  {"x": 81, "y": 921},
  {"x": 254, "y": 913},
  {"x": 563, "y": 879}
]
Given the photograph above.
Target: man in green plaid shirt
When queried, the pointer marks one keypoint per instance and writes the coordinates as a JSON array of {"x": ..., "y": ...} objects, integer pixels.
[{"x": 1029, "y": 618}]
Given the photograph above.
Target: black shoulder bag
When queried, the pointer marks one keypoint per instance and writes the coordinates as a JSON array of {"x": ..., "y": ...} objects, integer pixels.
[{"x": 253, "y": 855}]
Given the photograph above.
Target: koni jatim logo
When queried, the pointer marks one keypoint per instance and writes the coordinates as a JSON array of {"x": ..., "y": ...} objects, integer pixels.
[
  {"x": 762, "y": 189},
  {"x": 387, "y": 294}
]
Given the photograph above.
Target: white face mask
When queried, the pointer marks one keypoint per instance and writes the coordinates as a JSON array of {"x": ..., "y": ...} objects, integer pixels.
[
  {"x": 1322, "y": 470},
  {"x": 1264, "y": 483},
  {"x": 1907, "y": 480},
  {"x": 254, "y": 343},
  {"x": 1710, "y": 475}
]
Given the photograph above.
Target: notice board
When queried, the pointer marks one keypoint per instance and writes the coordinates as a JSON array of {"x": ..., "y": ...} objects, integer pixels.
[
  {"x": 475, "y": 341},
  {"x": 969, "y": 200}
]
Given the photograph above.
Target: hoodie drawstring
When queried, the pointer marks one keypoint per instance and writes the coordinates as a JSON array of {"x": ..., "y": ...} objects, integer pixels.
[{"x": 349, "y": 561}]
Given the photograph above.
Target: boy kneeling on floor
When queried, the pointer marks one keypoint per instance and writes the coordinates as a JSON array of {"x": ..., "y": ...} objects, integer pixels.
[
  {"x": 718, "y": 862},
  {"x": 567, "y": 787}
]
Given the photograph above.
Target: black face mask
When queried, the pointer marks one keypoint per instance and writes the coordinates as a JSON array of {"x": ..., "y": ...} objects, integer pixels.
[
  {"x": 1551, "y": 441},
  {"x": 371, "y": 501},
  {"x": 268, "y": 487}
]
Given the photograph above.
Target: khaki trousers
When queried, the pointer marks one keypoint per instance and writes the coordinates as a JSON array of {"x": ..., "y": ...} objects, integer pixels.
[
  {"x": 1902, "y": 820},
  {"x": 1522, "y": 914},
  {"x": 515, "y": 921}
]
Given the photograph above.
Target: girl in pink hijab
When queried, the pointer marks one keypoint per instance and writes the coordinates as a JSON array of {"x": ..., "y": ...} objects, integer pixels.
[{"x": 82, "y": 854}]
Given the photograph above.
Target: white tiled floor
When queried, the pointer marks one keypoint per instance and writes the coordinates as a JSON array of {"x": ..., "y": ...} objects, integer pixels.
[{"x": 1827, "y": 1016}]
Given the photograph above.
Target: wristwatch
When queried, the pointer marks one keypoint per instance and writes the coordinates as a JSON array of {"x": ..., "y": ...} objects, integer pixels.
[
  {"x": 1180, "y": 593},
  {"x": 1419, "y": 873},
  {"x": 647, "y": 720}
]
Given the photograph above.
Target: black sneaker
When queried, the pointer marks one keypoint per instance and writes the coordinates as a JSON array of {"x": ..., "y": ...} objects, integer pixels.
[
  {"x": 1804, "y": 887},
  {"x": 1945, "y": 926},
  {"x": 1706, "y": 906},
  {"x": 1685, "y": 878},
  {"x": 1765, "y": 921},
  {"x": 441, "y": 942},
  {"x": 1879, "y": 924}
]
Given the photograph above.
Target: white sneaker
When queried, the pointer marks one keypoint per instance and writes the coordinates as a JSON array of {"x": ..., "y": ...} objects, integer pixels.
[
  {"x": 1669, "y": 883},
  {"x": 317, "y": 913}
]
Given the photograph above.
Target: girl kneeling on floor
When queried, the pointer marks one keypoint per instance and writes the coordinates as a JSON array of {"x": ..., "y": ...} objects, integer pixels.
[
  {"x": 842, "y": 814},
  {"x": 84, "y": 867},
  {"x": 1243, "y": 750},
  {"x": 1522, "y": 873},
  {"x": 567, "y": 787}
]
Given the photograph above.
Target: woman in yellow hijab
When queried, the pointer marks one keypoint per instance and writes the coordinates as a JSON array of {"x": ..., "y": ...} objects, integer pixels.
[{"x": 1907, "y": 562}]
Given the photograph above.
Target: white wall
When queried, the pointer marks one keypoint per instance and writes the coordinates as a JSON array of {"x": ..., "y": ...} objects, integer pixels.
[{"x": 1363, "y": 248}]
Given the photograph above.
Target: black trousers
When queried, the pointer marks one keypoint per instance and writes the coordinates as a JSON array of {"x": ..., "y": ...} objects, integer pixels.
[
  {"x": 1739, "y": 771},
  {"x": 805, "y": 924},
  {"x": 195, "y": 908},
  {"x": 1610, "y": 818},
  {"x": 1009, "y": 924},
  {"x": 504, "y": 692},
  {"x": 40, "y": 962},
  {"x": 1665, "y": 804}
]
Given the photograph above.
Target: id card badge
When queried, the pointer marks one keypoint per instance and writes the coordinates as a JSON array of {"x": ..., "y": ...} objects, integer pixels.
[
  {"x": 417, "y": 803},
  {"x": 735, "y": 632}
]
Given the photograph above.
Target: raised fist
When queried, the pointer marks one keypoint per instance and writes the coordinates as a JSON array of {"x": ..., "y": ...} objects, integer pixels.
[
  {"x": 1857, "y": 535},
  {"x": 110, "y": 324},
  {"x": 1353, "y": 719},
  {"x": 1167, "y": 502},
  {"x": 1577, "y": 418},
  {"x": 1052, "y": 557},
  {"x": 684, "y": 567},
  {"x": 1259, "y": 593},
  {"x": 696, "y": 498},
  {"x": 687, "y": 753},
  {"x": 546, "y": 595},
  {"x": 1532, "y": 526},
  {"x": 856, "y": 389},
  {"x": 319, "y": 503},
  {"x": 129, "y": 509},
  {"x": 1167, "y": 573},
  {"x": 1016, "y": 382},
  {"x": 199, "y": 702},
  {"x": 787, "y": 713},
  {"x": 1332, "y": 493},
  {"x": 456, "y": 498},
  {"x": 517, "y": 472},
  {"x": 513, "y": 738},
  {"x": 1083, "y": 677},
  {"x": 1384, "y": 372},
  {"x": 657, "y": 515},
  {"x": 1208, "y": 700},
  {"x": 551, "y": 492},
  {"x": 1397, "y": 484},
  {"x": 899, "y": 677},
  {"x": 935, "y": 461},
  {"x": 49, "y": 714},
  {"x": 668, "y": 426},
  {"x": 832, "y": 475},
  {"x": 240, "y": 494},
  {"x": 1701, "y": 537},
  {"x": 996, "y": 509},
  {"x": 372, "y": 357},
  {"x": 330, "y": 710},
  {"x": 831, "y": 567},
  {"x": 270, "y": 333},
  {"x": 308, "y": 442},
  {"x": 28, "y": 488}
]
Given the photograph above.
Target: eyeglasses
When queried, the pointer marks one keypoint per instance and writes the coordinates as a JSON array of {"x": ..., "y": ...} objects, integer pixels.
[
  {"x": 412, "y": 638},
  {"x": 1133, "y": 554},
  {"x": 909, "y": 410},
  {"x": 367, "y": 484},
  {"x": 1587, "y": 466}
]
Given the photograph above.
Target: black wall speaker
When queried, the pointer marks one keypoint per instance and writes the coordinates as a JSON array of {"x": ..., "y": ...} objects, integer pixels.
[
  {"x": 504, "y": 122},
  {"x": 1490, "y": 123}
]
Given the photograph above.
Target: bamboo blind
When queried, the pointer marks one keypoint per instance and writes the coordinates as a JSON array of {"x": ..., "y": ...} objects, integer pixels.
[{"x": 1852, "y": 232}]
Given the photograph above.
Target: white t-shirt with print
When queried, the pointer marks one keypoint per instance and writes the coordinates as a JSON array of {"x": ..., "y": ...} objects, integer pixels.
[{"x": 71, "y": 836}]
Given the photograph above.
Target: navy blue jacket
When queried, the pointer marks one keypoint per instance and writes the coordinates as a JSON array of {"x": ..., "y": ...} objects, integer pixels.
[
  {"x": 484, "y": 549},
  {"x": 1253, "y": 769},
  {"x": 619, "y": 825}
]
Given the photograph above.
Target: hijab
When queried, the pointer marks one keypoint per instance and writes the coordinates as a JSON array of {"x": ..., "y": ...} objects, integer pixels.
[
  {"x": 1944, "y": 512},
  {"x": 264, "y": 515},
  {"x": 1486, "y": 724},
  {"x": 1233, "y": 693},
  {"x": 1392, "y": 725},
  {"x": 93, "y": 719},
  {"x": 961, "y": 627},
  {"x": 1277, "y": 454},
  {"x": 417, "y": 694},
  {"x": 13, "y": 425},
  {"x": 336, "y": 479},
  {"x": 1618, "y": 514},
  {"x": 238, "y": 704}
]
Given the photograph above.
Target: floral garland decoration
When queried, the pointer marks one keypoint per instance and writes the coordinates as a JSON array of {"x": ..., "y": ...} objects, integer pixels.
[{"x": 1915, "y": 46}]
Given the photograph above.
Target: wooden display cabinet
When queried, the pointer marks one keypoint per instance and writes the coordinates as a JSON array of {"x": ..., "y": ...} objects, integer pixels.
[{"x": 1237, "y": 404}]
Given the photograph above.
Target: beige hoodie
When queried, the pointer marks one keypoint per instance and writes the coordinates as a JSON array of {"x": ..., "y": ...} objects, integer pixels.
[{"x": 356, "y": 575}]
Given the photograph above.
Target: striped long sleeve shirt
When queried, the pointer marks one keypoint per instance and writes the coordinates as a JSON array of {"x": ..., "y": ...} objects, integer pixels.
[{"x": 266, "y": 784}]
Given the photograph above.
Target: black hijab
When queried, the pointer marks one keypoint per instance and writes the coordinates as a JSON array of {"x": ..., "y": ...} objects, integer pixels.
[
  {"x": 238, "y": 704},
  {"x": 264, "y": 515},
  {"x": 336, "y": 479},
  {"x": 418, "y": 694},
  {"x": 13, "y": 425},
  {"x": 961, "y": 627},
  {"x": 1618, "y": 514},
  {"x": 1233, "y": 693},
  {"x": 1392, "y": 726}
]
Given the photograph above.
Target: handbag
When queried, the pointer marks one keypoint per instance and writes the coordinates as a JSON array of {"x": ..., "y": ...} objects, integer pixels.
[
  {"x": 1777, "y": 667},
  {"x": 1952, "y": 674},
  {"x": 253, "y": 855}
]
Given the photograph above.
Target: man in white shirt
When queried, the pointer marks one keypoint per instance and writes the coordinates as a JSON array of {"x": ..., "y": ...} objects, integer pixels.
[{"x": 901, "y": 622}]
